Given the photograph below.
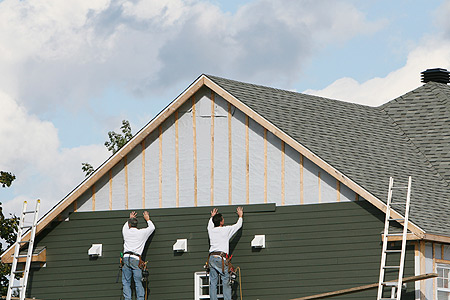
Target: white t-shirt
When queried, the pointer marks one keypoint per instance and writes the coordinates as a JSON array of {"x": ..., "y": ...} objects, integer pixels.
[
  {"x": 219, "y": 237},
  {"x": 134, "y": 239}
]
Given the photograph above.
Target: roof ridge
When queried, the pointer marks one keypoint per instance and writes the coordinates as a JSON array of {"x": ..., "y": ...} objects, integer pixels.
[
  {"x": 411, "y": 142},
  {"x": 213, "y": 77}
]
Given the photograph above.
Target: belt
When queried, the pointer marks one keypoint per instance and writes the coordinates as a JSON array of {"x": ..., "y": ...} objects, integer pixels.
[
  {"x": 223, "y": 255},
  {"x": 130, "y": 253}
]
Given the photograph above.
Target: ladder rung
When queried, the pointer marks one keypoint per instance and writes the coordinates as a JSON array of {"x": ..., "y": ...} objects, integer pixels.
[
  {"x": 388, "y": 298},
  {"x": 17, "y": 287},
  {"x": 391, "y": 267},
  {"x": 20, "y": 256},
  {"x": 393, "y": 251},
  {"x": 399, "y": 187},
  {"x": 23, "y": 242},
  {"x": 394, "y": 234},
  {"x": 390, "y": 283},
  {"x": 400, "y": 219},
  {"x": 25, "y": 227},
  {"x": 18, "y": 272},
  {"x": 29, "y": 212}
]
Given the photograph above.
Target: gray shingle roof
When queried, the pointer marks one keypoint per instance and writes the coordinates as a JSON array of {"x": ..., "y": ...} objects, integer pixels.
[{"x": 405, "y": 137}]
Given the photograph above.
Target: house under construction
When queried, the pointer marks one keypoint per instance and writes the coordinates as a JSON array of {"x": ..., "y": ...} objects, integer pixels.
[{"x": 312, "y": 174}]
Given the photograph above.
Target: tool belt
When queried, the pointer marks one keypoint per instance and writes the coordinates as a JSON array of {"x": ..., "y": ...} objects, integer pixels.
[
  {"x": 141, "y": 262},
  {"x": 225, "y": 260}
]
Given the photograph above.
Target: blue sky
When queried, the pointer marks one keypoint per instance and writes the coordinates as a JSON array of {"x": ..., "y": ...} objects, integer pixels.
[{"x": 70, "y": 71}]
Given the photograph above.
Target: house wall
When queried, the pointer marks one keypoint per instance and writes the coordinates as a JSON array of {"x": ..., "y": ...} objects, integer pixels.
[
  {"x": 210, "y": 153},
  {"x": 310, "y": 249},
  {"x": 427, "y": 256}
]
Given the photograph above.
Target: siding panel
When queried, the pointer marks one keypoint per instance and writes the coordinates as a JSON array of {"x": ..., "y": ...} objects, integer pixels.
[{"x": 310, "y": 249}]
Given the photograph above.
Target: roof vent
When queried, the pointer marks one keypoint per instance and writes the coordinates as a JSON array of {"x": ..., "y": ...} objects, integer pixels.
[{"x": 436, "y": 75}]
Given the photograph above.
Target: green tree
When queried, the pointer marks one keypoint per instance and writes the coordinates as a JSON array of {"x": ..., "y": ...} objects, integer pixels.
[
  {"x": 116, "y": 141},
  {"x": 8, "y": 233},
  {"x": 6, "y": 178}
]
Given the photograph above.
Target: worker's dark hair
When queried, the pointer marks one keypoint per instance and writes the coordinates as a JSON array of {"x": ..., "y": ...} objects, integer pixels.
[
  {"x": 217, "y": 219},
  {"x": 133, "y": 222}
]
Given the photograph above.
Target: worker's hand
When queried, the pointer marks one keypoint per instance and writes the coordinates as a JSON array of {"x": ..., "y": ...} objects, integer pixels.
[
  {"x": 240, "y": 211},
  {"x": 146, "y": 216},
  {"x": 213, "y": 212},
  {"x": 133, "y": 214}
]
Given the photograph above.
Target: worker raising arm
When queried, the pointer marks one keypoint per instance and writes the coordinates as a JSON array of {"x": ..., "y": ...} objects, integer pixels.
[
  {"x": 219, "y": 237},
  {"x": 133, "y": 244}
]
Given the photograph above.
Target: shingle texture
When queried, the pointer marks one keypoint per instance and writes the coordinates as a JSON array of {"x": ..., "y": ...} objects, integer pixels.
[{"x": 405, "y": 137}]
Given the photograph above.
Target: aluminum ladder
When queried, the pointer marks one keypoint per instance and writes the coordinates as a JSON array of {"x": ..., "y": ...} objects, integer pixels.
[
  {"x": 396, "y": 286},
  {"x": 22, "y": 286}
]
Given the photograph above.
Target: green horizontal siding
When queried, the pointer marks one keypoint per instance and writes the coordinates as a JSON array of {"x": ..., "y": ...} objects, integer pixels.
[{"x": 310, "y": 249}]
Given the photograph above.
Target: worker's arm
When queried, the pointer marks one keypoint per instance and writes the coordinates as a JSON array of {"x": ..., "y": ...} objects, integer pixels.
[
  {"x": 234, "y": 228},
  {"x": 210, "y": 222},
  {"x": 151, "y": 227}
]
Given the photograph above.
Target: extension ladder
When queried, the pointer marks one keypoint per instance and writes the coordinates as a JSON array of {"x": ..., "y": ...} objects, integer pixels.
[
  {"x": 22, "y": 286},
  {"x": 396, "y": 286}
]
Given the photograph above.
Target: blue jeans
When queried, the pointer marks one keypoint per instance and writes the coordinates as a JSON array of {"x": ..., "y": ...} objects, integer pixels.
[
  {"x": 131, "y": 269},
  {"x": 215, "y": 266}
]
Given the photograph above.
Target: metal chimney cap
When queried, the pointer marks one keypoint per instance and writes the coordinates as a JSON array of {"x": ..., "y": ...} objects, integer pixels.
[{"x": 435, "y": 75}]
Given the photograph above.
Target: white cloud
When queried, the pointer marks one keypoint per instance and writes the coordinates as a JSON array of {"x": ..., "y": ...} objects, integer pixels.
[
  {"x": 66, "y": 52},
  {"x": 433, "y": 53},
  {"x": 31, "y": 150}
]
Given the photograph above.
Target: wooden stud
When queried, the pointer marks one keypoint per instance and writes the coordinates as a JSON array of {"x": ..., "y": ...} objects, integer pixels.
[
  {"x": 338, "y": 188},
  {"x": 422, "y": 270},
  {"x": 177, "y": 163},
  {"x": 302, "y": 200},
  {"x": 356, "y": 197},
  {"x": 230, "y": 157},
  {"x": 194, "y": 129},
  {"x": 442, "y": 251},
  {"x": 319, "y": 180},
  {"x": 212, "y": 150},
  {"x": 93, "y": 197},
  {"x": 434, "y": 269},
  {"x": 75, "y": 206},
  {"x": 143, "y": 173},
  {"x": 265, "y": 165},
  {"x": 160, "y": 166},
  {"x": 247, "y": 163},
  {"x": 125, "y": 162},
  {"x": 110, "y": 189},
  {"x": 283, "y": 152}
]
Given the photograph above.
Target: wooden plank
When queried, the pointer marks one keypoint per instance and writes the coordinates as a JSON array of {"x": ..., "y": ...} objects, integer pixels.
[
  {"x": 364, "y": 287},
  {"x": 194, "y": 135},
  {"x": 143, "y": 173},
  {"x": 434, "y": 270},
  {"x": 283, "y": 161},
  {"x": 212, "y": 150},
  {"x": 247, "y": 163},
  {"x": 39, "y": 257},
  {"x": 160, "y": 166},
  {"x": 110, "y": 189},
  {"x": 302, "y": 200},
  {"x": 307, "y": 153},
  {"x": 442, "y": 261},
  {"x": 177, "y": 164},
  {"x": 356, "y": 197},
  {"x": 75, "y": 206},
  {"x": 125, "y": 164},
  {"x": 265, "y": 165},
  {"x": 230, "y": 157},
  {"x": 422, "y": 269},
  {"x": 442, "y": 251},
  {"x": 338, "y": 189}
]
